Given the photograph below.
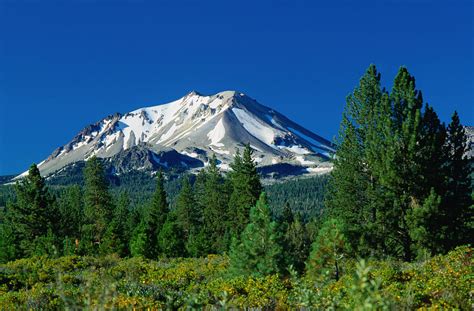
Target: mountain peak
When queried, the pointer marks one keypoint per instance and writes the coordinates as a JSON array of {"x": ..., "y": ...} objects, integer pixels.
[
  {"x": 223, "y": 94},
  {"x": 198, "y": 126},
  {"x": 193, "y": 93}
]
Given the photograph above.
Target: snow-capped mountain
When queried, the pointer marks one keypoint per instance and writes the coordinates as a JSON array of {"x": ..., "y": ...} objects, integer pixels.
[{"x": 189, "y": 130}]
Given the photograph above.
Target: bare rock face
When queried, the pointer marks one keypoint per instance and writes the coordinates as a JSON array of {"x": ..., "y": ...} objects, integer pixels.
[
  {"x": 186, "y": 132},
  {"x": 470, "y": 135}
]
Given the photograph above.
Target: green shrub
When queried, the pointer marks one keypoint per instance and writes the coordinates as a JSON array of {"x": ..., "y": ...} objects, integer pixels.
[{"x": 75, "y": 282}]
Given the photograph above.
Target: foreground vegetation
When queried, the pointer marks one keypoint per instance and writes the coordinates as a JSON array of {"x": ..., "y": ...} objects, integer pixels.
[{"x": 181, "y": 283}]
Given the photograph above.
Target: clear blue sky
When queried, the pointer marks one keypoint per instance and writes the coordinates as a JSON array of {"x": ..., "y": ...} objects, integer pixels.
[{"x": 66, "y": 64}]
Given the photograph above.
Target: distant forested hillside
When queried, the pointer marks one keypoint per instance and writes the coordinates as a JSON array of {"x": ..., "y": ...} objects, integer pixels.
[{"x": 305, "y": 196}]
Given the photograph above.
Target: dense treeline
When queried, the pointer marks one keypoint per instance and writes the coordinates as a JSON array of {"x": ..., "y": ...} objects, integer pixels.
[
  {"x": 400, "y": 190},
  {"x": 207, "y": 216},
  {"x": 305, "y": 196}
]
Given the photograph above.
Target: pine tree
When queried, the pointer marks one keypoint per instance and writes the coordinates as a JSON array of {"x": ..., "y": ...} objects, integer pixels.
[
  {"x": 458, "y": 209},
  {"x": 46, "y": 245},
  {"x": 187, "y": 211},
  {"x": 71, "y": 210},
  {"x": 286, "y": 218},
  {"x": 138, "y": 241},
  {"x": 155, "y": 218},
  {"x": 197, "y": 244},
  {"x": 424, "y": 217},
  {"x": 246, "y": 189},
  {"x": 33, "y": 214},
  {"x": 432, "y": 154},
  {"x": 423, "y": 225},
  {"x": 403, "y": 162},
  {"x": 117, "y": 236},
  {"x": 215, "y": 201},
  {"x": 97, "y": 206},
  {"x": 135, "y": 219},
  {"x": 121, "y": 218},
  {"x": 294, "y": 239},
  {"x": 297, "y": 245},
  {"x": 388, "y": 180},
  {"x": 171, "y": 238},
  {"x": 257, "y": 252},
  {"x": 410, "y": 171},
  {"x": 353, "y": 184},
  {"x": 8, "y": 243},
  {"x": 329, "y": 248}
]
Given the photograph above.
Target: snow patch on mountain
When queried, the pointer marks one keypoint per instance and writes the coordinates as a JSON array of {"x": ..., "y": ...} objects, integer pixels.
[
  {"x": 255, "y": 127},
  {"x": 217, "y": 134}
]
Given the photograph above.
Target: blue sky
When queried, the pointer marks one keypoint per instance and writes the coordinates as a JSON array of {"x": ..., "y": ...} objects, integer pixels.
[{"x": 66, "y": 64}]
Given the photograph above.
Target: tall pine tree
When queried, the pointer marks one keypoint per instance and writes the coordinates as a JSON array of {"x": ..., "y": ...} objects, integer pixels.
[
  {"x": 71, "y": 210},
  {"x": 404, "y": 164},
  {"x": 214, "y": 200},
  {"x": 33, "y": 215},
  {"x": 353, "y": 184},
  {"x": 117, "y": 236},
  {"x": 155, "y": 218},
  {"x": 98, "y": 206},
  {"x": 187, "y": 211},
  {"x": 246, "y": 189},
  {"x": 458, "y": 209}
]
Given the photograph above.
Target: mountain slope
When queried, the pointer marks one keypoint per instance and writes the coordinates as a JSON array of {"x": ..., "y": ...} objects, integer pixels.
[
  {"x": 192, "y": 128},
  {"x": 470, "y": 140}
]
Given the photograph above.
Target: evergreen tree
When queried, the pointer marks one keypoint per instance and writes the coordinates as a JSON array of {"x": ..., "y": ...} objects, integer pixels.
[
  {"x": 295, "y": 239},
  {"x": 329, "y": 248},
  {"x": 458, "y": 209},
  {"x": 97, "y": 206},
  {"x": 246, "y": 189},
  {"x": 155, "y": 218},
  {"x": 296, "y": 245},
  {"x": 8, "y": 243},
  {"x": 402, "y": 161},
  {"x": 134, "y": 220},
  {"x": 187, "y": 211},
  {"x": 121, "y": 218},
  {"x": 197, "y": 244},
  {"x": 171, "y": 238},
  {"x": 286, "y": 218},
  {"x": 117, "y": 236},
  {"x": 71, "y": 210},
  {"x": 423, "y": 225},
  {"x": 215, "y": 201},
  {"x": 46, "y": 245},
  {"x": 33, "y": 214},
  {"x": 432, "y": 154},
  {"x": 388, "y": 183},
  {"x": 138, "y": 241},
  {"x": 353, "y": 183},
  {"x": 258, "y": 252},
  {"x": 200, "y": 188},
  {"x": 405, "y": 178}
]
